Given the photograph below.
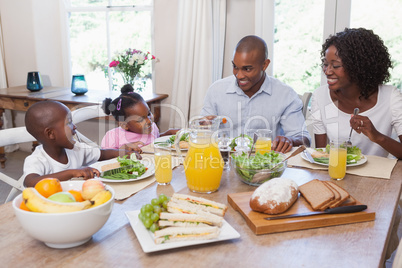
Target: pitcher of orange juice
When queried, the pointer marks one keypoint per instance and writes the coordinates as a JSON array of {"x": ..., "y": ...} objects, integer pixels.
[{"x": 203, "y": 164}]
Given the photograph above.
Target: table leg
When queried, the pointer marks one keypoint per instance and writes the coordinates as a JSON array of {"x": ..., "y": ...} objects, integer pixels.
[{"x": 3, "y": 158}]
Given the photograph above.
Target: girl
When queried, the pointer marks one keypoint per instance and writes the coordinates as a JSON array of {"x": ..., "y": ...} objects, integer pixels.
[{"x": 136, "y": 126}]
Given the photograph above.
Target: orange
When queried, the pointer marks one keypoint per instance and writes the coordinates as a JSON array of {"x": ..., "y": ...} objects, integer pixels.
[
  {"x": 48, "y": 186},
  {"x": 24, "y": 207},
  {"x": 77, "y": 195}
]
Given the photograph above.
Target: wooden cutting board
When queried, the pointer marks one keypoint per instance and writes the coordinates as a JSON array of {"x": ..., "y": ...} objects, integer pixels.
[{"x": 257, "y": 223}]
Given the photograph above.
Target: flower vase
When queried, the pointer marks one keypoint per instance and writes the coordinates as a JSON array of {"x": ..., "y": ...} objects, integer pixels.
[{"x": 137, "y": 82}]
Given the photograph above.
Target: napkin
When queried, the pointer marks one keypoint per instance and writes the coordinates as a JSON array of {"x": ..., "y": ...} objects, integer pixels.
[{"x": 376, "y": 166}]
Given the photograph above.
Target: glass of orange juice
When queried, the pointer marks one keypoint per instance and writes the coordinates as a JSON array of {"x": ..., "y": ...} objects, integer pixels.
[
  {"x": 337, "y": 160},
  {"x": 263, "y": 144},
  {"x": 163, "y": 163}
]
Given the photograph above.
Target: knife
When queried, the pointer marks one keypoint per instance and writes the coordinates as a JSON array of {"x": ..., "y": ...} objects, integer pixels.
[
  {"x": 309, "y": 157},
  {"x": 111, "y": 172},
  {"x": 337, "y": 210}
]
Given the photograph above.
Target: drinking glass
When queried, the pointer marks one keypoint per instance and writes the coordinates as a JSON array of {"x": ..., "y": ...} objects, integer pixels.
[
  {"x": 163, "y": 163},
  {"x": 337, "y": 160},
  {"x": 224, "y": 141},
  {"x": 263, "y": 144}
]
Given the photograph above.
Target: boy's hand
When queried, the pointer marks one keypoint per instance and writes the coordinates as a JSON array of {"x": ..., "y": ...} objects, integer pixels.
[{"x": 86, "y": 173}]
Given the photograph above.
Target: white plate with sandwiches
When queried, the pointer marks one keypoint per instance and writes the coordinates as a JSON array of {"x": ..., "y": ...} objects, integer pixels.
[
  {"x": 147, "y": 238},
  {"x": 113, "y": 163},
  {"x": 311, "y": 150},
  {"x": 183, "y": 144}
]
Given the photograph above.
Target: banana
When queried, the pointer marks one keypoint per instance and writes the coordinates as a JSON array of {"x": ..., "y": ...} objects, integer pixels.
[
  {"x": 37, "y": 203},
  {"x": 101, "y": 198}
]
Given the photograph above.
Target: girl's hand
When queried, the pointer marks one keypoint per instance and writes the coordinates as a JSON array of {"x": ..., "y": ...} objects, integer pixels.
[
  {"x": 137, "y": 154},
  {"x": 133, "y": 146},
  {"x": 362, "y": 124}
]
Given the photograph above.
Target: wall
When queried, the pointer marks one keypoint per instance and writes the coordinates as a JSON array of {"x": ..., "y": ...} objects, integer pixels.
[{"x": 33, "y": 41}]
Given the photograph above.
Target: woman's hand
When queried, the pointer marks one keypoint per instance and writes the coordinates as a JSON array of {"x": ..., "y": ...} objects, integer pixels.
[{"x": 362, "y": 124}]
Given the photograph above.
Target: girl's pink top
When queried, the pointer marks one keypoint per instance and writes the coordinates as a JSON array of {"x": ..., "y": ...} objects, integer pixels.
[{"x": 117, "y": 137}]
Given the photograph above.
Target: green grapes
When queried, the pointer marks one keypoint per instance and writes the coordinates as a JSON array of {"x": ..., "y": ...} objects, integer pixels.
[{"x": 149, "y": 213}]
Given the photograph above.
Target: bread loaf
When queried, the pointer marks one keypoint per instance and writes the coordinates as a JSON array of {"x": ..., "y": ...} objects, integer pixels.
[{"x": 274, "y": 196}]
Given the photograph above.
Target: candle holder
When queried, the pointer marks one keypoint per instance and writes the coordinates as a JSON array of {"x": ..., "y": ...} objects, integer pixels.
[
  {"x": 34, "y": 81},
  {"x": 79, "y": 85}
]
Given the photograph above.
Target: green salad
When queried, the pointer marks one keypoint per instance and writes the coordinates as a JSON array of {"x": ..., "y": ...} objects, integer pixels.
[
  {"x": 171, "y": 139},
  {"x": 247, "y": 167},
  {"x": 354, "y": 154},
  {"x": 136, "y": 171}
]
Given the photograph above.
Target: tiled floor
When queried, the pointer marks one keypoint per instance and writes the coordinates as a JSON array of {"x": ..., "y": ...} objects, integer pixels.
[{"x": 14, "y": 169}]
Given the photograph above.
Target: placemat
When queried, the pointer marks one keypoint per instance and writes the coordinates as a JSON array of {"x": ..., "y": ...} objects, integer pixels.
[{"x": 376, "y": 166}]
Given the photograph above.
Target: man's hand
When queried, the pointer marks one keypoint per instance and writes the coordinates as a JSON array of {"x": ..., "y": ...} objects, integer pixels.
[{"x": 282, "y": 144}]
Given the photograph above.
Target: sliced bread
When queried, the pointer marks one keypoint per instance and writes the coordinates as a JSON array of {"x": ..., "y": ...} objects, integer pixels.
[{"x": 316, "y": 193}]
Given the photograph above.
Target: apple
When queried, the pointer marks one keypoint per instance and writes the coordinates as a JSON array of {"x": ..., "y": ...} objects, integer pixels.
[
  {"x": 91, "y": 187},
  {"x": 63, "y": 197}
]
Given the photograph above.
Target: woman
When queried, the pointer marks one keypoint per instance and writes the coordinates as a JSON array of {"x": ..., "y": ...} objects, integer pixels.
[{"x": 356, "y": 64}]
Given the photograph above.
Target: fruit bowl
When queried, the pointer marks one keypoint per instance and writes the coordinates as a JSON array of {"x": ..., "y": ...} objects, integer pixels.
[
  {"x": 256, "y": 169},
  {"x": 64, "y": 230}
]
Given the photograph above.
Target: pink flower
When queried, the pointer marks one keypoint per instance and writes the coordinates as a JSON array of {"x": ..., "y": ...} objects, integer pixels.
[{"x": 114, "y": 63}]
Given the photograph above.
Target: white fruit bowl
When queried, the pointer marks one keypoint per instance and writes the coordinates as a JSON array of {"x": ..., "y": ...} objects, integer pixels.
[{"x": 64, "y": 230}]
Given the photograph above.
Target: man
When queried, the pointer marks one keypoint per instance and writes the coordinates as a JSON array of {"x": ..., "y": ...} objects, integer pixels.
[{"x": 252, "y": 100}]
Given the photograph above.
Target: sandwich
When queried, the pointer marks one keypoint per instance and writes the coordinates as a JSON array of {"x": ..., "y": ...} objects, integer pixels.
[
  {"x": 181, "y": 203},
  {"x": 175, "y": 234},
  {"x": 189, "y": 220}
]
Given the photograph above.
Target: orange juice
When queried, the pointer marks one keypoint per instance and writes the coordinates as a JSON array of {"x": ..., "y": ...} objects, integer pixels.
[
  {"x": 203, "y": 166},
  {"x": 163, "y": 168},
  {"x": 263, "y": 145},
  {"x": 337, "y": 163}
]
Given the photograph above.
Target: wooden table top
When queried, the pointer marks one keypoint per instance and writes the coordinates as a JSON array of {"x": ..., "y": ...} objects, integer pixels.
[
  {"x": 65, "y": 95},
  {"x": 116, "y": 245}
]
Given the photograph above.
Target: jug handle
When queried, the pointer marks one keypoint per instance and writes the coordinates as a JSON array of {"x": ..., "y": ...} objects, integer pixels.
[{"x": 179, "y": 134}]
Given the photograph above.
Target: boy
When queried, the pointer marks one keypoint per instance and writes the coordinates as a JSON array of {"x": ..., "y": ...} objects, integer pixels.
[{"x": 59, "y": 155}]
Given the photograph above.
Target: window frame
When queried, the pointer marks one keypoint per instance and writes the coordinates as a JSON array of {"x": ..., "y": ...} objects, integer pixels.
[
  {"x": 336, "y": 17},
  {"x": 66, "y": 9}
]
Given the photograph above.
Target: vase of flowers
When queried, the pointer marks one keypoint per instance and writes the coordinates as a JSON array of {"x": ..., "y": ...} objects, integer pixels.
[{"x": 128, "y": 63}]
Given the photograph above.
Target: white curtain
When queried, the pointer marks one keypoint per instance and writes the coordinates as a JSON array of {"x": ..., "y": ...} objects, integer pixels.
[
  {"x": 199, "y": 55},
  {"x": 7, "y": 115}
]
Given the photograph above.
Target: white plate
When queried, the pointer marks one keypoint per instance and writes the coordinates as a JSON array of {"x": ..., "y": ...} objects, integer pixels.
[
  {"x": 146, "y": 237},
  {"x": 165, "y": 138},
  {"x": 358, "y": 163},
  {"x": 150, "y": 171}
]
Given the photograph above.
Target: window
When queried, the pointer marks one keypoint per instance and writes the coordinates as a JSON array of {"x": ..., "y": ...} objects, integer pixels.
[
  {"x": 100, "y": 28},
  {"x": 383, "y": 17},
  {"x": 297, "y": 34},
  {"x": 297, "y": 43}
]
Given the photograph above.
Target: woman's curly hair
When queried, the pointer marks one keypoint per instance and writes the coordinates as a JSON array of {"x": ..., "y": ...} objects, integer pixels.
[
  {"x": 116, "y": 107},
  {"x": 364, "y": 57}
]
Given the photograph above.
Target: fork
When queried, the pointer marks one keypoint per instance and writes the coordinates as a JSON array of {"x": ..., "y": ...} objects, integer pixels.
[{"x": 348, "y": 142}]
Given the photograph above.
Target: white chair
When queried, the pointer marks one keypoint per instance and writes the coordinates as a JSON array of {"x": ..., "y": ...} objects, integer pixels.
[
  {"x": 8, "y": 137},
  {"x": 86, "y": 113},
  {"x": 306, "y": 100}
]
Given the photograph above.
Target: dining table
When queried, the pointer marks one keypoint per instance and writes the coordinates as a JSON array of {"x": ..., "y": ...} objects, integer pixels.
[{"x": 361, "y": 244}]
